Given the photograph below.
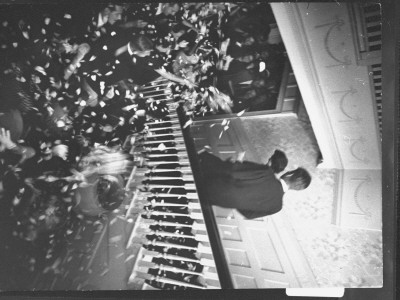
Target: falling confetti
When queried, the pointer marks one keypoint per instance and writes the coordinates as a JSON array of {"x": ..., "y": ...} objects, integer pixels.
[
  {"x": 241, "y": 113},
  {"x": 115, "y": 239},
  {"x": 161, "y": 147},
  {"x": 104, "y": 272},
  {"x": 188, "y": 123},
  {"x": 112, "y": 222},
  {"x": 60, "y": 123}
]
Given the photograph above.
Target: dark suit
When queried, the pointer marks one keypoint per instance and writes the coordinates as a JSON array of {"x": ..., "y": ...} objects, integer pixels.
[{"x": 249, "y": 187}]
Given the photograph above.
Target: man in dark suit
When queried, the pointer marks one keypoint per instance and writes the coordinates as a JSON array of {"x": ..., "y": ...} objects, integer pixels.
[{"x": 253, "y": 189}]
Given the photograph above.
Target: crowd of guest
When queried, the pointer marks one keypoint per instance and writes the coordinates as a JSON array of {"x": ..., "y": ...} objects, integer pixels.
[
  {"x": 251, "y": 64},
  {"x": 70, "y": 80}
]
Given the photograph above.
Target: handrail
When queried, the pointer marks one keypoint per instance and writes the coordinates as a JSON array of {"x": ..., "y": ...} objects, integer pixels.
[{"x": 208, "y": 214}]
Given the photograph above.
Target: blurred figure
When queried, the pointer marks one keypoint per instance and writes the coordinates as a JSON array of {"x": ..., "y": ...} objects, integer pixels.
[
  {"x": 168, "y": 9},
  {"x": 111, "y": 14},
  {"x": 155, "y": 21},
  {"x": 102, "y": 187},
  {"x": 140, "y": 18},
  {"x": 134, "y": 61},
  {"x": 89, "y": 23},
  {"x": 7, "y": 144},
  {"x": 103, "y": 26},
  {"x": 12, "y": 155},
  {"x": 12, "y": 121}
]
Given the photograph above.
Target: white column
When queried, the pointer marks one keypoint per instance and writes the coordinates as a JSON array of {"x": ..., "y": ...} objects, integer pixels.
[{"x": 336, "y": 91}]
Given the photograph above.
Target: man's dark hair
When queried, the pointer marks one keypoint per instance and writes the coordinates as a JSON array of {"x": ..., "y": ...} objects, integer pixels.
[
  {"x": 278, "y": 161},
  {"x": 298, "y": 179},
  {"x": 141, "y": 43}
]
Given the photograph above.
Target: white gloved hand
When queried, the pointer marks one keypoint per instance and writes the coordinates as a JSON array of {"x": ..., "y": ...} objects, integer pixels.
[{"x": 60, "y": 151}]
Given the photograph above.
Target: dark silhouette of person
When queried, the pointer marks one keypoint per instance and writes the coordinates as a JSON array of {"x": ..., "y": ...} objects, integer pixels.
[{"x": 254, "y": 189}]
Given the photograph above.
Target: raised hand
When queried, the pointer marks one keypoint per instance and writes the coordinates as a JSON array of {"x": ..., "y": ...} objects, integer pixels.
[{"x": 5, "y": 140}]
